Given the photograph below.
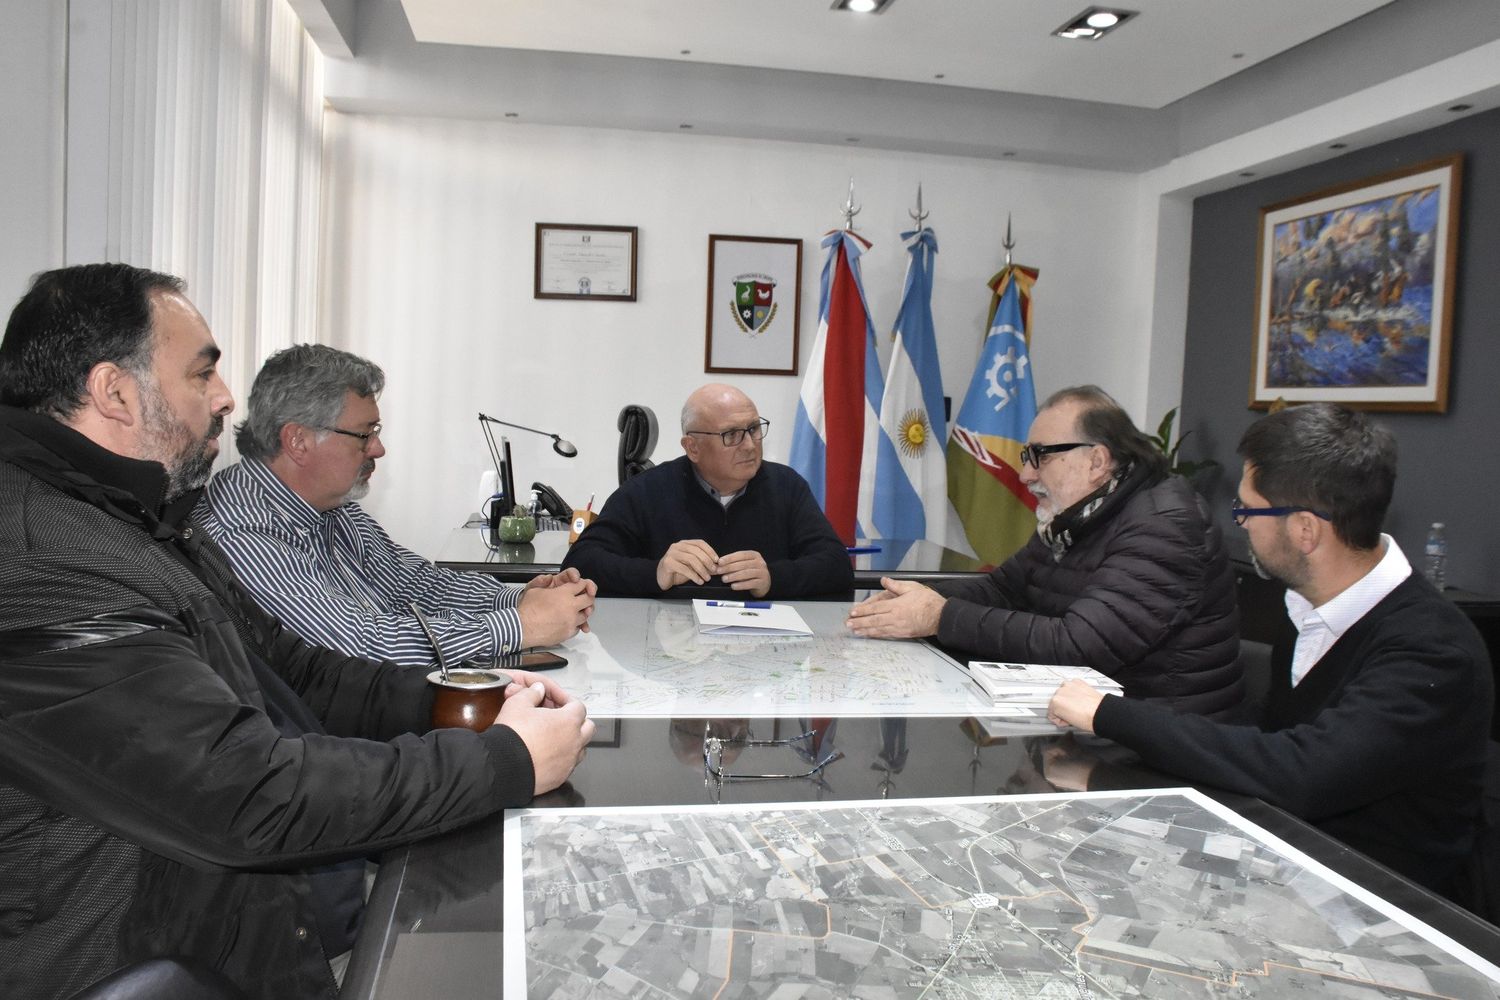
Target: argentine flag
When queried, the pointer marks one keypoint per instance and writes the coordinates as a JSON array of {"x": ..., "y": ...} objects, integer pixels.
[
  {"x": 837, "y": 430},
  {"x": 911, "y": 478}
]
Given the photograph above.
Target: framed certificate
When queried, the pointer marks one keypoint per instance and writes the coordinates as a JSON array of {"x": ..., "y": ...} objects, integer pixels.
[{"x": 585, "y": 262}]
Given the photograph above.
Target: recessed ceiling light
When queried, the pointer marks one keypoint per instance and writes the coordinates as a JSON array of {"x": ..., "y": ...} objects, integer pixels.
[
  {"x": 862, "y": 6},
  {"x": 1460, "y": 107},
  {"x": 1094, "y": 23}
]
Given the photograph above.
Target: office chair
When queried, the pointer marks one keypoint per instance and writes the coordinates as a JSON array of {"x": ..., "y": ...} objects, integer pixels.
[
  {"x": 163, "y": 979},
  {"x": 637, "y": 440}
]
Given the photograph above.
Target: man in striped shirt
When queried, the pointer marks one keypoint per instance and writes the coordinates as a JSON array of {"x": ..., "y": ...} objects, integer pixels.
[{"x": 300, "y": 543}]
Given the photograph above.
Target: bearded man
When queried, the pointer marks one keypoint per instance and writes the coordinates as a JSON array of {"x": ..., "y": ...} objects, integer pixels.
[
  {"x": 1127, "y": 572},
  {"x": 180, "y": 776},
  {"x": 288, "y": 516}
]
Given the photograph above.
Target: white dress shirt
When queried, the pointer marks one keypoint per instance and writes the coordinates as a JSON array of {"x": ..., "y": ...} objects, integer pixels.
[{"x": 1319, "y": 628}]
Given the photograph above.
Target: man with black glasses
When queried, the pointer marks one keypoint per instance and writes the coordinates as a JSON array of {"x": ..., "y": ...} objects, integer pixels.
[
  {"x": 1126, "y": 573},
  {"x": 1381, "y": 689},
  {"x": 718, "y": 515},
  {"x": 287, "y": 515}
]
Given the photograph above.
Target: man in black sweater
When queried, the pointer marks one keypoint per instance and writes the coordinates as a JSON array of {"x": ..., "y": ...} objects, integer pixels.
[
  {"x": 718, "y": 515},
  {"x": 1381, "y": 696}
]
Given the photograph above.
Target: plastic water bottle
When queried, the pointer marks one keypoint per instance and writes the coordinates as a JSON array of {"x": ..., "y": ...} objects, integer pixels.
[{"x": 1436, "y": 552}]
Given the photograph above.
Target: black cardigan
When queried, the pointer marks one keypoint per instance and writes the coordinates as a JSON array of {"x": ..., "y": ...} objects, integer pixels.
[
  {"x": 775, "y": 516},
  {"x": 1382, "y": 745}
]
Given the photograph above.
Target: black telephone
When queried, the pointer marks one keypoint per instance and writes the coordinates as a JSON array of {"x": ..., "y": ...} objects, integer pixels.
[{"x": 550, "y": 504}]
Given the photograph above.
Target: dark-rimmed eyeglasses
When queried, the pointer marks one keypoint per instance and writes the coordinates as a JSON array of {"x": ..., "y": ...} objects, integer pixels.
[
  {"x": 735, "y": 435},
  {"x": 1032, "y": 454},
  {"x": 1241, "y": 513},
  {"x": 363, "y": 437}
]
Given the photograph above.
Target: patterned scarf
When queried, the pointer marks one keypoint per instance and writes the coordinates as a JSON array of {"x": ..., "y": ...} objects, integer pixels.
[{"x": 1064, "y": 530}]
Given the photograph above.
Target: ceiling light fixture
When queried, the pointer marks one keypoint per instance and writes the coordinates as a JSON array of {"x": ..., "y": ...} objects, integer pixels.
[
  {"x": 1094, "y": 23},
  {"x": 862, "y": 6}
]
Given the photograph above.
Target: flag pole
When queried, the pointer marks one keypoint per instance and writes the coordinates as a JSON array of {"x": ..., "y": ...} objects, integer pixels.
[
  {"x": 850, "y": 209},
  {"x": 919, "y": 216}
]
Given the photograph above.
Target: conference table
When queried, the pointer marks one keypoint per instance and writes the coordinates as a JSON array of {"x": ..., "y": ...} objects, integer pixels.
[{"x": 661, "y": 693}]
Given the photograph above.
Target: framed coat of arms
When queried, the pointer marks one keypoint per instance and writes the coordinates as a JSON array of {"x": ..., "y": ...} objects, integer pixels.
[{"x": 754, "y": 305}]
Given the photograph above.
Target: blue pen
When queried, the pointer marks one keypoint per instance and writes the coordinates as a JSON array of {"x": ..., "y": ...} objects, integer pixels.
[
  {"x": 739, "y": 604},
  {"x": 855, "y": 550}
]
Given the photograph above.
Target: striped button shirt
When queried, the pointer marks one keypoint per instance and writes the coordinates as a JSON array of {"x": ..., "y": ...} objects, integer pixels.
[{"x": 337, "y": 580}]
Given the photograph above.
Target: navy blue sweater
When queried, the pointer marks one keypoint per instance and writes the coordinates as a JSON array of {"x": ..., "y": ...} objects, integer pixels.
[{"x": 775, "y": 516}]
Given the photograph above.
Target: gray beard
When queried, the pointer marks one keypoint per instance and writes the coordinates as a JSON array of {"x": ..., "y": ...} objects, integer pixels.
[{"x": 187, "y": 461}]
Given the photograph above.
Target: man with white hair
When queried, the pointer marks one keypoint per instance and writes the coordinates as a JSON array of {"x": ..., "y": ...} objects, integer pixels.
[{"x": 718, "y": 516}]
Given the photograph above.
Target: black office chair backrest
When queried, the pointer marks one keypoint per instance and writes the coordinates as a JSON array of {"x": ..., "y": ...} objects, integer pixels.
[{"x": 637, "y": 440}]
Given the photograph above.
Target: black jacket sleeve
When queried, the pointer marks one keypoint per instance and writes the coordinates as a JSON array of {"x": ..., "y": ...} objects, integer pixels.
[{"x": 1145, "y": 586}]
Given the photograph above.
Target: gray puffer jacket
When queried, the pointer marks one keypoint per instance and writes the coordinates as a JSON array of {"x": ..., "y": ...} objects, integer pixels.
[{"x": 1146, "y": 596}]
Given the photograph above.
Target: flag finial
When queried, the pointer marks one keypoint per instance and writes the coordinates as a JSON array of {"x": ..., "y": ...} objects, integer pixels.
[
  {"x": 919, "y": 216},
  {"x": 1009, "y": 244},
  {"x": 850, "y": 209}
]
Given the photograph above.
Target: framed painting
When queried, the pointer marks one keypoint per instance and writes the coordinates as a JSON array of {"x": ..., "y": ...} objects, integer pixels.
[
  {"x": 754, "y": 305},
  {"x": 596, "y": 263},
  {"x": 1354, "y": 299}
]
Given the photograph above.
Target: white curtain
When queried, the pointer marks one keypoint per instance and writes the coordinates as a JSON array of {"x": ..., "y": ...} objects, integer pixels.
[{"x": 195, "y": 132}]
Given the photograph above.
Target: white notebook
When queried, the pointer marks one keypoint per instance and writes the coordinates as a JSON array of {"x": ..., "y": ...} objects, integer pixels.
[{"x": 748, "y": 618}]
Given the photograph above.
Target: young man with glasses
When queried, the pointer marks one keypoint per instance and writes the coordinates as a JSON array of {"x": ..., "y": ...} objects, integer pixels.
[
  {"x": 718, "y": 516},
  {"x": 287, "y": 515},
  {"x": 1381, "y": 690},
  {"x": 1127, "y": 572}
]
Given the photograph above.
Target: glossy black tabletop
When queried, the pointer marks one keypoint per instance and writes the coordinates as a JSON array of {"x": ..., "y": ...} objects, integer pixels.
[{"x": 434, "y": 925}]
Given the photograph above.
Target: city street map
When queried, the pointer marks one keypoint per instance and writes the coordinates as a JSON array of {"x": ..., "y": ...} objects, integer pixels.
[
  {"x": 678, "y": 672},
  {"x": 1158, "y": 894}
]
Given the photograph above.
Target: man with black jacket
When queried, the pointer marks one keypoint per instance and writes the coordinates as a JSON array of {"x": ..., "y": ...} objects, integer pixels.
[
  {"x": 178, "y": 775},
  {"x": 1127, "y": 572},
  {"x": 1381, "y": 689},
  {"x": 717, "y": 516}
]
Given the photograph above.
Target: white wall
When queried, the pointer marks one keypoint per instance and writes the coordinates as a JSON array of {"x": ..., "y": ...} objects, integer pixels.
[
  {"x": 428, "y": 271},
  {"x": 33, "y": 50}
]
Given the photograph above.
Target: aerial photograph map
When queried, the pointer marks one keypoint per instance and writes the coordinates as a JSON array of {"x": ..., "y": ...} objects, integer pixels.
[{"x": 1154, "y": 894}]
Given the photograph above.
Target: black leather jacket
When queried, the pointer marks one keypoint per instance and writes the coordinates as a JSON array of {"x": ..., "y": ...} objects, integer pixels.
[{"x": 152, "y": 798}]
